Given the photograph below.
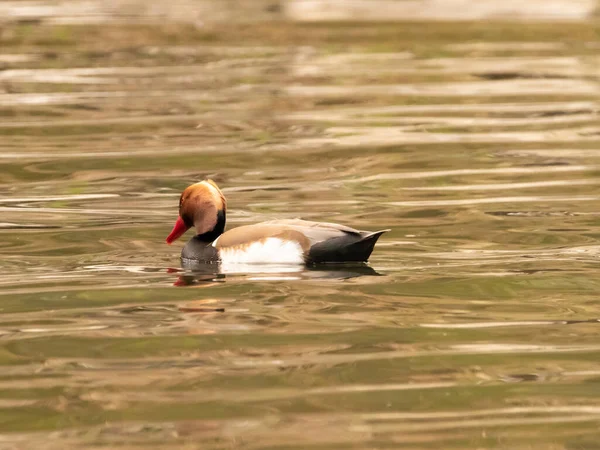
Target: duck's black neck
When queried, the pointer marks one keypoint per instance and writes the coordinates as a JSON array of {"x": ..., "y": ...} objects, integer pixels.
[{"x": 217, "y": 231}]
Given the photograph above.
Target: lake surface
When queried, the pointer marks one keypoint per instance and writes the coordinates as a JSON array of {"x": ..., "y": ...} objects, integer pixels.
[{"x": 476, "y": 323}]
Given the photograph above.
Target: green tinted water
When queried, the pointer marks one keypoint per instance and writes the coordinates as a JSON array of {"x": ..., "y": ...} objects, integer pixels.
[{"x": 477, "y": 326}]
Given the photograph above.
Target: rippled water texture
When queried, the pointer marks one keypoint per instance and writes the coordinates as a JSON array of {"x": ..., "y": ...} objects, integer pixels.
[{"x": 476, "y": 324}]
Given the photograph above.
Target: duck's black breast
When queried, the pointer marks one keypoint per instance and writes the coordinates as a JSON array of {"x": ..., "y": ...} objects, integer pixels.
[{"x": 197, "y": 249}]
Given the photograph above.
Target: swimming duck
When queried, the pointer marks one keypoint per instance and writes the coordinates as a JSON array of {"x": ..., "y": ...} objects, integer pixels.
[{"x": 293, "y": 241}]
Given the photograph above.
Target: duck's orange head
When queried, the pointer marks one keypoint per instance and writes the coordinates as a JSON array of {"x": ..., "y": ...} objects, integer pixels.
[{"x": 203, "y": 206}]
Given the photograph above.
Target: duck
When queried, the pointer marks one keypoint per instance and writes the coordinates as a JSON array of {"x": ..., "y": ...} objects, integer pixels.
[{"x": 203, "y": 206}]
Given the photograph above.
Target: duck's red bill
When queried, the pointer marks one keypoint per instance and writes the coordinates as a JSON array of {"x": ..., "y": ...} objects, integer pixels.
[{"x": 177, "y": 231}]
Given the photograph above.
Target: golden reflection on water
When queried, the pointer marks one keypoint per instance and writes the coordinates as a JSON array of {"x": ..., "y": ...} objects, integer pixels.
[{"x": 475, "y": 325}]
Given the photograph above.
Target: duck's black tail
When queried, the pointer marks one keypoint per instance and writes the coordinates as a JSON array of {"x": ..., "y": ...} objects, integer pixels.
[
  {"x": 364, "y": 247},
  {"x": 352, "y": 247}
]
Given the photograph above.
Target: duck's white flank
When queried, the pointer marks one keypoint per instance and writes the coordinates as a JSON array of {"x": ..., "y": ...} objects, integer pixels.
[{"x": 267, "y": 251}]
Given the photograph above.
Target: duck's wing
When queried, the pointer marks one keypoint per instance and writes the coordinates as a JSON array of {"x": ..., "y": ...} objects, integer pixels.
[
  {"x": 332, "y": 242},
  {"x": 306, "y": 232},
  {"x": 315, "y": 231},
  {"x": 249, "y": 234}
]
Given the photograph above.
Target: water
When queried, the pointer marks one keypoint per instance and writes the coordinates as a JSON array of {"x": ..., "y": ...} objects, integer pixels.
[{"x": 476, "y": 324}]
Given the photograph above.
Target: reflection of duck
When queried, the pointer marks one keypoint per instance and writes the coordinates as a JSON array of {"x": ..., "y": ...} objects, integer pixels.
[
  {"x": 202, "y": 273},
  {"x": 288, "y": 242}
]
